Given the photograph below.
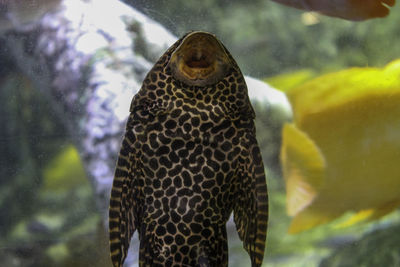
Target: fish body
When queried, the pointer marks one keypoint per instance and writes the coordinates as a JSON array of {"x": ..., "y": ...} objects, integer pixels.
[
  {"x": 340, "y": 155},
  {"x": 188, "y": 159}
]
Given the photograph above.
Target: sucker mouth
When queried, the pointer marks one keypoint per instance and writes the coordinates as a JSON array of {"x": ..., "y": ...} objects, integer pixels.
[{"x": 199, "y": 60}]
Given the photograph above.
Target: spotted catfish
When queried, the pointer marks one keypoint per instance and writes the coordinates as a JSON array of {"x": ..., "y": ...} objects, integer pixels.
[{"x": 188, "y": 159}]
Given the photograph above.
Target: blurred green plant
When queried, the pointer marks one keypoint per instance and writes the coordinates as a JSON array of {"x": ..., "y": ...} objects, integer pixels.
[
  {"x": 48, "y": 215},
  {"x": 364, "y": 252},
  {"x": 267, "y": 38},
  {"x": 23, "y": 124},
  {"x": 64, "y": 172}
]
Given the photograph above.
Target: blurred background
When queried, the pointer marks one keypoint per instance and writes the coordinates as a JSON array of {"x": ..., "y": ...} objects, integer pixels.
[{"x": 48, "y": 210}]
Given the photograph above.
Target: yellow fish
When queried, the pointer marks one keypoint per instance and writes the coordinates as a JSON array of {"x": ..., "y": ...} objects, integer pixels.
[{"x": 342, "y": 153}]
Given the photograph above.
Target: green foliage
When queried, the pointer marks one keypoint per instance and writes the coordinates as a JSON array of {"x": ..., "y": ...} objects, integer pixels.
[
  {"x": 64, "y": 228},
  {"x": 267, "y": 38},
  {"x": 364, "y": 252},
  {"x": 17, "y": 159},
  {"x": 47, "y": 211},
  {"x": 65, "y": 171}
]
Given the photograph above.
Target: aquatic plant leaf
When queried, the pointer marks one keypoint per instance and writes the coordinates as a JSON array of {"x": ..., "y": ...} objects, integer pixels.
[
  {"x": 346, "y": 9},
  {"x": 65, "y": 171},
  {"x": 353, "y": 118}
]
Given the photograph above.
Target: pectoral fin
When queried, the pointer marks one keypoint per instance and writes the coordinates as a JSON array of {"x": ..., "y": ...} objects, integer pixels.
[
  {"x": 122, "y": 210},
  {"x": 251, "y": 204},
  {"x": 303, "y": 168}
]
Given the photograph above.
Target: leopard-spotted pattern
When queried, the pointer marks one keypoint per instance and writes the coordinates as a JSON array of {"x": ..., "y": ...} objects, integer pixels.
[{"x": 189, "y": 158}]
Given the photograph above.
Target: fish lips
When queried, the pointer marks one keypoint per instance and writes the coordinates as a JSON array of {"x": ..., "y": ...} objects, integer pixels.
[{"x": 199, "y": 60}]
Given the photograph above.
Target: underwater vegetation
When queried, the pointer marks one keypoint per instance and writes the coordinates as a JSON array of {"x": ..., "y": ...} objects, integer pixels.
[{"x": 341, "y": 152}]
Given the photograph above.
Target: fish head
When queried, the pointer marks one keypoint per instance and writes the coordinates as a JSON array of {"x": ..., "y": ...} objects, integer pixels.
[{"x": 200, "y": 60}]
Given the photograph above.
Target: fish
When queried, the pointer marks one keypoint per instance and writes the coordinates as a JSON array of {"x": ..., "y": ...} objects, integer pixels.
[
  {"x": 189, "y": 158},
  {"x": 355, "y": 10},
  {"x": 340, "y": 154}
]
